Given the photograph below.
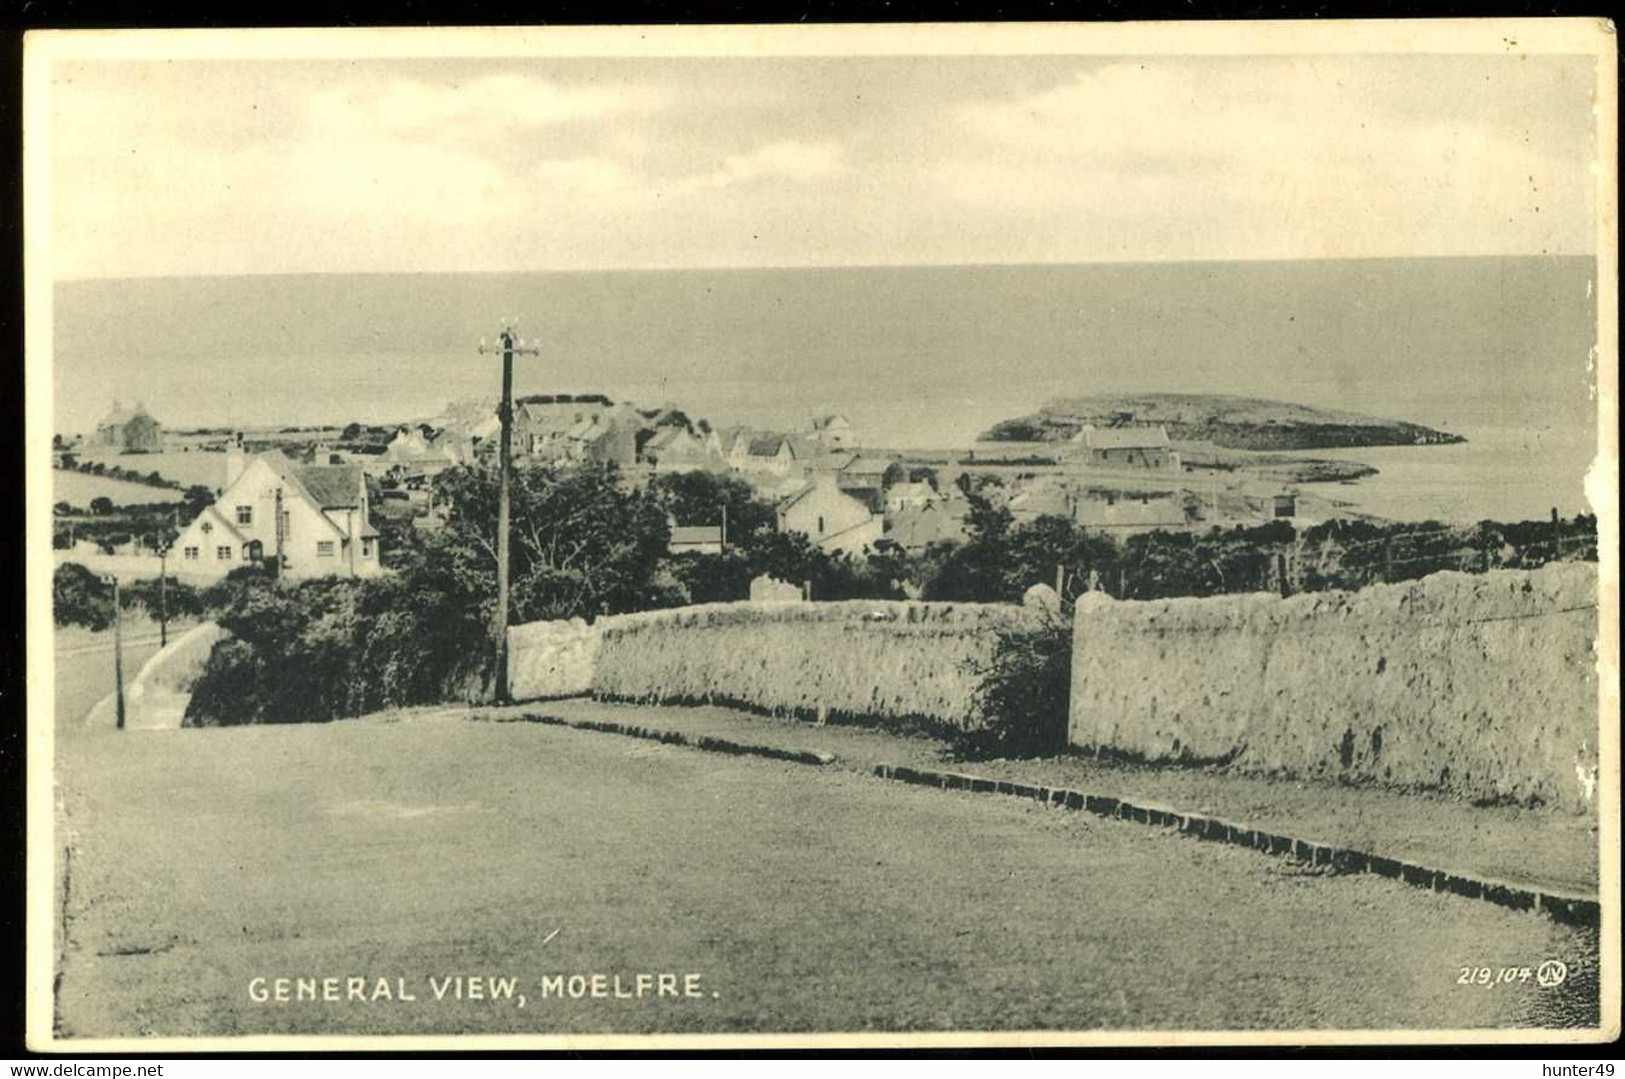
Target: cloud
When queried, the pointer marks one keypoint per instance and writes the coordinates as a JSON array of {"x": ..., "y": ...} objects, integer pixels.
[
  {"x": 786, "y": 159},
  {"x": 506, "y": 100},
  {"x": 1314, "y": 161}
]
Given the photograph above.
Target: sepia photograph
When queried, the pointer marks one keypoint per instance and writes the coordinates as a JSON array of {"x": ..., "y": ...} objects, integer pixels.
[{"x": 814, "y": 537}]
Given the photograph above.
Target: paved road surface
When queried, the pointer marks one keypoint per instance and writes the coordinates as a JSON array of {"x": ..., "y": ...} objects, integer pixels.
[
  {"x": 804, "y": 899},
  {"x": 84, "y": 675}
]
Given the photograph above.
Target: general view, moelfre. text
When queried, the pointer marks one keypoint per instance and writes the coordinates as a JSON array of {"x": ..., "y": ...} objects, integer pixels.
[{"x": 851, "y": 535}]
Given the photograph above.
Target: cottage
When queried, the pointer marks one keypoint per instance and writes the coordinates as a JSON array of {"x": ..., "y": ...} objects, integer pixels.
[
  {"x": 325, "y": 531},
  {"x": 1127, "y": 447},
  {"x": 833, "y": 431},
  {"x": 907, "y": 496},
  {"x": 916, "y": 528},
  {"x": 588, "y": 427},
  {"x": 129, "y": 430},
  {"x": 771, "y": 455},
  {"x": 674, "y": 449},
  {"x": 1127, "y": 517},
  {"x": 830, "y": 517}
]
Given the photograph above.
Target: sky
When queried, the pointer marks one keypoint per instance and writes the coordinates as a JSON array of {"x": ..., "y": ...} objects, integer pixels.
[{"x": 423, "y": 165}]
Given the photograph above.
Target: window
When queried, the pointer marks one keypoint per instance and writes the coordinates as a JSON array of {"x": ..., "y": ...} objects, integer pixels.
[
  {"x": 245, "y": 515},
  {"x": 191, "y": 554},
  {"x": 366, "y": 548},
  {"x": 820, "y": 526},
  {"x": 222, "y": 554},
  {"x": 324, "y": 549}
]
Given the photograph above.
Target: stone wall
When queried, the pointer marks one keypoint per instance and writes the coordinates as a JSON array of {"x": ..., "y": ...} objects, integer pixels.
[
  {"x": 552, "y": 659},
  {"x": 879, "y": 660},
  {"x": 1483, "y": 686}
]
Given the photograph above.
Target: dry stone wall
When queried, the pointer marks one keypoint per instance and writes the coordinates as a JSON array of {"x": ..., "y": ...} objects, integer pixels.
[
  {"x": 1481, "y": 685},
  {"x": 552, "y": 659},
  {"x": 881, "y": 660}
]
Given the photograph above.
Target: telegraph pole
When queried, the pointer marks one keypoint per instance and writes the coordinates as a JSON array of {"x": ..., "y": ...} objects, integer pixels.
[
  {"x": 509, "y": 346},
  {"x": 118, "y": 657},
  {"x": 163, "y": 597}
]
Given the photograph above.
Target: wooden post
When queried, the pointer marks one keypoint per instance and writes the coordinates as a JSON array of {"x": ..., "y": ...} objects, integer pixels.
[
  {"x": 118, "y": 658},
  {"x": 725, "y": 528},
  {"x": 505, "y": 464},
  {"x": 1388, "y": 558},
  {"x": 806, "y": 591},
  {"x": 1557, "y": 536},
  {"x": 1280, "y": 572},
  {"x": 1060, "y": 579},
  {"x": 163, "y": 597}
]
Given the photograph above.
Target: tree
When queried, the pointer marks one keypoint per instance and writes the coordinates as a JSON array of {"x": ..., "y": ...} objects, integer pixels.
[
  {"x": 80, "y": 598},
  {"x": 583, "y": 545},
  {"x": 101, "y": 506},
  {"x": 698, "y": 498}
]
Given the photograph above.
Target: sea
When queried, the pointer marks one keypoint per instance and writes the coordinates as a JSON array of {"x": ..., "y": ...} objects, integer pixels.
[{"x": 1499, "y": 350}]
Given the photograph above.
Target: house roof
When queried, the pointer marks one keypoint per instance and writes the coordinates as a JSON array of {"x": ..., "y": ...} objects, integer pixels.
[
  {"x": 697, "y": 534},
  {"x": 331, "y": 486},
  {"x": 767, "y": 446},
  {"x": 830, "y": 420},
  {"x": 118, "y": 416},
  {"x": 866, "y": 466},
  {"x": 926, "y": 524},
  {"x": 662, "y": 438},
  {"x": 1123, "y": 438}
]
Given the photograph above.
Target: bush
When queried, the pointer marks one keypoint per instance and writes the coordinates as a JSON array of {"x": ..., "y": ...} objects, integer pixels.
[
  {"x": 80, "y": 598},
  {"x": 1023, "y": 695}
]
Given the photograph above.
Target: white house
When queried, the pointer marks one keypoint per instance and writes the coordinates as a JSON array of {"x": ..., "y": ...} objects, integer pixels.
[
  {"x": 673, "y": 449},
  {"x": 909, "y": 496},
  {"x": 326, "y": 530},
  {"x": 767, "y": 454},
  {"x": 830, "y": 517},
  {"x": 1132, "y": 447},
  {"x": 833, "y": 432}
]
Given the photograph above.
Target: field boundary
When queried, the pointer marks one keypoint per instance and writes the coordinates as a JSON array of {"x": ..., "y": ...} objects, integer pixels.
[{"x": 1575, "y": 910}]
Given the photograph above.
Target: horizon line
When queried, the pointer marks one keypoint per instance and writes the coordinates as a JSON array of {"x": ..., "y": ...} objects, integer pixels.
[{"x": 775, "y": 267}]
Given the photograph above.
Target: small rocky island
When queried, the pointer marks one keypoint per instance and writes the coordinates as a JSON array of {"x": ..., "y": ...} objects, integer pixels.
[{"x": 1233, "y": 423}]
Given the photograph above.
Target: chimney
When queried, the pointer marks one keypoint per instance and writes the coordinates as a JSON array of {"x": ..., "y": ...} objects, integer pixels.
[{"x": 235, "y": 461}]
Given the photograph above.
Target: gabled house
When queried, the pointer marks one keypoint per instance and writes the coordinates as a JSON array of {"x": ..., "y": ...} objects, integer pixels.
[
  {"x": 907, "y": 496},
  {"x": 917, "y": 528},
  {"x": 1126, "y": 447},
  {"x": 766, "y": 454},
  {"x": 325, "y": 527},
  {"x": 129, "y": 430},
  {"x": 832, "y": 519},
  {"x": 832, "y": 431},
  {"x": 673, "y": 449}
]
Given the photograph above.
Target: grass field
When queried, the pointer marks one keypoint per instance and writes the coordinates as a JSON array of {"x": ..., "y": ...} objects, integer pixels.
[
  {"x": 805, "y": 899},
  {"x": 78, "y": 488}
]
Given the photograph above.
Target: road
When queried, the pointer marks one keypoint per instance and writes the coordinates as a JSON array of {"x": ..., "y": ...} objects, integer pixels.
[
  {"x": 804, "y": 899},
  {"x": 84, "y": 674}
]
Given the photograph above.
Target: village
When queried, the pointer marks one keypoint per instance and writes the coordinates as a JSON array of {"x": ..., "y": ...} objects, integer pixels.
[{"x": 331, "y": 488}]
